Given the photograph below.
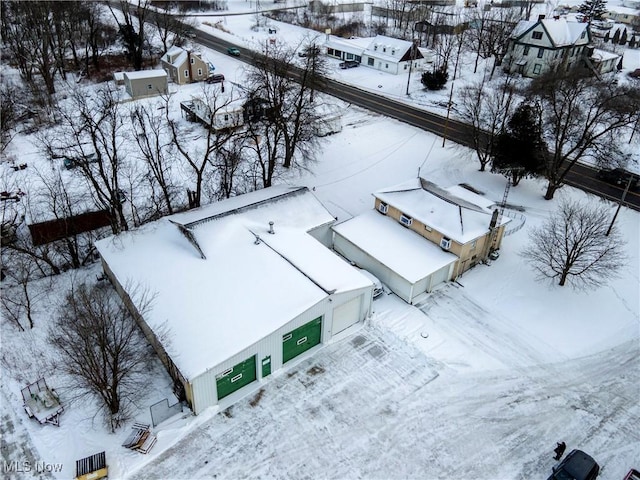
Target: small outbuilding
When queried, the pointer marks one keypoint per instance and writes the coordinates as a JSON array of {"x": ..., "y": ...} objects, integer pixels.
[
  {"x": 146, "y": 83},
  {"x": 242, "y": 288}
]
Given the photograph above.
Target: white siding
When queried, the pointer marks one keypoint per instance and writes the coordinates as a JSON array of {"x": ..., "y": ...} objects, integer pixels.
[
  {"x": 399, "y": 285},
  {"x": 204, "y": 386}
]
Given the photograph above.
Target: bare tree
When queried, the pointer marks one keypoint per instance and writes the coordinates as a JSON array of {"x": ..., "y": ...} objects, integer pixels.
[
  {"x": 286, "y": 135},
  {"x": 200, "y": 156},
  {"x": 151, "y": 131},
  {"x": 573, "y": 246},
  {"x": 102, "y": 349},
  {"x": 487, "y": 111},
  {"x": 91, "y": 137},
  {"x": 582, "y": 118},
  {"x": 132, "y": 28}
]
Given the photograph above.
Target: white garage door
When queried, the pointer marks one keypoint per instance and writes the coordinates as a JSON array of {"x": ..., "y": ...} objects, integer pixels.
[
  {"x": 440, "y": 276},
  {"x": 346, "y": 315}
]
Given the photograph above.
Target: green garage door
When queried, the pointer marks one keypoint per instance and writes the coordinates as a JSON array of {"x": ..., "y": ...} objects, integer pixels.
[
  {"x": 237, "y": 377},
  {"x": 301, "y": 339}
]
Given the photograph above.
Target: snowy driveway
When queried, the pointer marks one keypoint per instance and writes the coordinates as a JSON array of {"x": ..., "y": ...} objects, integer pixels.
[{"x": 373, "y": 406}]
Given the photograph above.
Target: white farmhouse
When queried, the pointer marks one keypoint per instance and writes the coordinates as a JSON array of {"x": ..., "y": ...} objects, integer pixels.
[{"x": 237, "y": 297}]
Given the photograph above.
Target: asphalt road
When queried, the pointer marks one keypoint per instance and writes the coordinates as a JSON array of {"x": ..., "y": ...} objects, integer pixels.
[{"x": 580, "y": 176}]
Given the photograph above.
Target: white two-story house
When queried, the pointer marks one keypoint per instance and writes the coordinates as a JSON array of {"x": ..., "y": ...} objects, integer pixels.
[{"x": 535, "y": 47}]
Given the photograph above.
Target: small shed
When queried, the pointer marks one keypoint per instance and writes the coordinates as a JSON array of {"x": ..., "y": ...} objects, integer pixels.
[{"x": 146, "y": 83}]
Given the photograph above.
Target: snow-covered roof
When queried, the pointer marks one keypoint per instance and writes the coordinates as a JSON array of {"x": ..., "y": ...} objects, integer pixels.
[
  {"x": 561, "y": 31},
  {"x": 602, "y": 55},
  {"x": 355, "y": 45},
  {"x": 454, "y": 211},
  {"x": 145, "y": 74},
  {"x": 215, "y": 307},
  {"x": 389, "y": 42},
  {"x": 400, "y": 249},
  {"x": 176, "y": 56}
]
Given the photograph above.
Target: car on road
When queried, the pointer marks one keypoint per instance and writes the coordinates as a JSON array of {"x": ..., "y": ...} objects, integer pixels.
[
  {"x": 348, "y": 64},
  {"x": 576, "y": 466},
  {"x": 215, "y": 78},
  {"x": 620, "y": 177},
  {"x": 233, "y": 51}
]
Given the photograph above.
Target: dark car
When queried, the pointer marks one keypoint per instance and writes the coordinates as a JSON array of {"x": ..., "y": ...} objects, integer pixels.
[
  {"x": 348, "y": 64},
  {"x": 620, "y": 177},
  {"x": 233, "y": 51},
  {"x": 576, "y": 466},
  {"x": 215, "y": 78}
]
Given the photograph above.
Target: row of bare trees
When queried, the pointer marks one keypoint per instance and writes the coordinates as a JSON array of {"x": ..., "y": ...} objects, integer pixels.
[{"x": 580, "y": 117}]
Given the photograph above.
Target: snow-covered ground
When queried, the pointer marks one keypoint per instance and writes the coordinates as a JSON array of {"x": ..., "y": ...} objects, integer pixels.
[{"x": 479, "y": 380}]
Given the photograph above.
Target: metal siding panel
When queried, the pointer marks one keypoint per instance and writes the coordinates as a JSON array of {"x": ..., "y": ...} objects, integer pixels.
[{"x": 346, "y": 315}]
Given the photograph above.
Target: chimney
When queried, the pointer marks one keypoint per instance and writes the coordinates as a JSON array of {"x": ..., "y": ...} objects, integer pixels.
[
  {"x": 271, "y": 230},
  {"x": 494, "y": 219},
  {"x": 189, "y": 63},
  {"x": 257, "y": 242},
  {"x": 540, "y": 17},
  {"x": 556, "y": 17}
]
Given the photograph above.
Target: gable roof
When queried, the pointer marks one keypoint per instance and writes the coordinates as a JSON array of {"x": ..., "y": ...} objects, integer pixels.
[
  {"x": 455, "y": 212},
  {"x": 176, "y": 56},
  {"x": 142, "y": 74},
  {"x": 561, "y": 32},
  {"x": 391, "y": 44},
  {"x": 215, "y": 307}
]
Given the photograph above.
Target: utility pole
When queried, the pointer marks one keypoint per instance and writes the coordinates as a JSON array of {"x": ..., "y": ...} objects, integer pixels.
[
  {"x": 412, "y": 56},
  {"x": 446, "y": 122},
  {"x": 624, "y": 194}
]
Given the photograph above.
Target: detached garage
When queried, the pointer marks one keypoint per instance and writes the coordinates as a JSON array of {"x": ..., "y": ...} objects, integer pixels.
[
  {"x": 241, "y": 288},
  {"x": 403, "y": 260}
]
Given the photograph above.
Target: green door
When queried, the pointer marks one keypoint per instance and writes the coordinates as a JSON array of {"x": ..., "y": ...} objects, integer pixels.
[
  {"x": 301, "y": 339},
  {"x": 266, "y": 367},
  {"x": 237, "y": 377}
]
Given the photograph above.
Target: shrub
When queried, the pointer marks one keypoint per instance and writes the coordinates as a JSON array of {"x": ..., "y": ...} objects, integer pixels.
[{"x": 435, "y": 80}]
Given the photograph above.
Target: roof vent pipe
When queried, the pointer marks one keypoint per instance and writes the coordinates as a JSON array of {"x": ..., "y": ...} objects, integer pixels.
[
  {"x": 271, "y": 230},
  {"x": 257, "y": 242}
]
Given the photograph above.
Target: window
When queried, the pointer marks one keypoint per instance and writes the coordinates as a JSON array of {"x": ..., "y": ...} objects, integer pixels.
[
  {"x": 445, "y": 243},
  {"x": 150, "y": 87},
  {"x": 383, "y": 208},
  {"x": 536, "y": 68},
  {"x": 226, "y": 117},
  {"x": 583, "y": 34},
  {"x": 370, "y": 61},
  {"x": 405, "y": 66},
  {"x": 349, "y": 56},
  {"x": 526, "y": 51},
  {"x": 375, "y": 47},
  {"x": 540, "y": 52},
  {"x": 384, "y": 49},
  {"x": 473, "y": 244},
  {"x": 193, "y": 60},
  {"x": 386, "y": 65},
  {"x": 427, "y": 228},
  {"x": 406, "y": 221},
  {"x": 393, "y": 52},
  {"x": 537, "y": 35},
  {"x": 199, "y": 71},
  {"x": 186, "y": 73}
]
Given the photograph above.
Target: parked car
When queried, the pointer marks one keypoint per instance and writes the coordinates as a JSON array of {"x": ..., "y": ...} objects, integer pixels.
[
  {"x": 620, "y": 177},
  {"x": 348, "y": 64},
  {"x": 377, "y": 284},
  {"x": 576, "y": 466},
  {"x": 215, "y": 78},
  {"x": 233, "y": 51}
]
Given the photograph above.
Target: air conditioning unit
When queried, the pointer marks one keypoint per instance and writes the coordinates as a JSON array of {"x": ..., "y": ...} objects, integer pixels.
[
  {"x": 445, "y": 243},
  {"x": 383, "y": 208},
  {"x": 406, "y": 221}
]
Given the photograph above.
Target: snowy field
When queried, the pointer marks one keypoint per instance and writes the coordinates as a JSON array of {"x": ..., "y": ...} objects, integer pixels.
[{"x": 477, "y": 381}]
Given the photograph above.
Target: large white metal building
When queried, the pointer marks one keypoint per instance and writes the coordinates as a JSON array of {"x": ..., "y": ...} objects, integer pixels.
[{"x": 240, "y": 288}]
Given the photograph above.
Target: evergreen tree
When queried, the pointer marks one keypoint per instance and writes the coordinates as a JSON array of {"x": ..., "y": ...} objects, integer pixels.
[
  {"x": 619, "y": 66},
  {"x": 593, "y": 9},
  {"x": 607, "y": 37},
  {"x": 623, "y": 38},
  {"x": 435, "y": 80},
  {"x": 616, "y": 36},
  {"x": 632, "y": 42},
  {"x": 519, "y": 150}
]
